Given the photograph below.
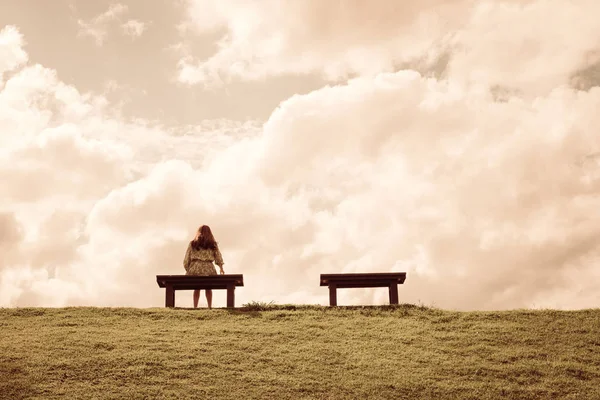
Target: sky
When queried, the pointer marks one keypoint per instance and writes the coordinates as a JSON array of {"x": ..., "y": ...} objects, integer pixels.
[{"x": 455, "y": 140}]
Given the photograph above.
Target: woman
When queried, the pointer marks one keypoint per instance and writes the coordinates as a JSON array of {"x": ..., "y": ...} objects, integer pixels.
[{"x": 199, "y": 257}]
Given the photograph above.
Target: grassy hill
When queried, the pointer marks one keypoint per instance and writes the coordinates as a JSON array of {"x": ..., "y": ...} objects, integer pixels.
[{"x": 303, "y": 352}]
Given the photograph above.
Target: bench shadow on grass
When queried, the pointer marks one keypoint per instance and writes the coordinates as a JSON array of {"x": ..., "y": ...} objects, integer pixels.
[{"x": 255, "y": 309}]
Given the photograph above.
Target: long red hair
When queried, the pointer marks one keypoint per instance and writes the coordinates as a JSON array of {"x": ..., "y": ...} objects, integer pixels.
[{"x": 204, "y": 239}]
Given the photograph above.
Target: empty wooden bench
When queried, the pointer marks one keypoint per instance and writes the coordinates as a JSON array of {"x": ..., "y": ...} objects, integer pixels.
[
  {"x": 190, "y": 282},
  {"x": 363, "y": 280}
]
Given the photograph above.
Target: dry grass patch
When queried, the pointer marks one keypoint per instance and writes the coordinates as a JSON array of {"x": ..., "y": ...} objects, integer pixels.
[{"x": 298, "y": 352}]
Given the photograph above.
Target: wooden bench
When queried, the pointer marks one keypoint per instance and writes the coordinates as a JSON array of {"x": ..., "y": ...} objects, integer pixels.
[
  {"x": 363, "y": 280},
  {"x": 192, "y": 282}
]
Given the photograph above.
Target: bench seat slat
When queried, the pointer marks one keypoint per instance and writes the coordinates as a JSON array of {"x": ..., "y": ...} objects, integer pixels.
[
  {"x": 367, "y": 278},
  {"x": 214, "y": 281},
  {"x": 189, "y": 286},
  {"x": 351, "y": 284}
]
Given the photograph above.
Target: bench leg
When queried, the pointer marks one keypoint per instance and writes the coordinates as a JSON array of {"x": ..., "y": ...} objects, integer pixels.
[
  {"x": 332, "y": 294},
  {"x": 230, "y": 296},
  {"x": 170, "y": 296},
  {"x": 394, "y": 293}
]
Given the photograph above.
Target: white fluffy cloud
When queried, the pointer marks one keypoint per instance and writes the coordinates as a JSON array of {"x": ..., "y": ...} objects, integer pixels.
[
  {"x": 519, "y": 44},
  {"x": 11, "y": 50},
  {"x": 485, "y": 203},
  {"x": 333, "y": 38},
  {"x": 482, "y": 183},
  {"x": 532, "y": 46}
]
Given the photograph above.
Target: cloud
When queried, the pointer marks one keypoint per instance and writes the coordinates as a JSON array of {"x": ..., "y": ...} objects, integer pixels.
[
  {"x": 533, "y": 55},
  {"x": 338, "y": 40},
  {"x": 403, "y": 172},
  {"x": 335, "y": 39},
  {"x": 11, "y": 235},
  {"x": 98, "y": 26},
  {"x": 134, "y": 28},
  {"x": 61, "y": 152},
  {"x": 485, "y": 204},
  {"x": 11, "y": 49}
]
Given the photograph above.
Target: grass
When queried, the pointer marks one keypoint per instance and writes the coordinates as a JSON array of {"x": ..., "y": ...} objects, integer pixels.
[{"x": 265, "y": 351}]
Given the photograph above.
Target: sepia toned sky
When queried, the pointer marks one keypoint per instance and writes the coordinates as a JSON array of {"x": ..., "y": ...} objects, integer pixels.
[{"x": 456, "y": 140}]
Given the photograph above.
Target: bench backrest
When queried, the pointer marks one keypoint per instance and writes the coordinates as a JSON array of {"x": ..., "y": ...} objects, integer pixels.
[{"x": 193, "y": 281}]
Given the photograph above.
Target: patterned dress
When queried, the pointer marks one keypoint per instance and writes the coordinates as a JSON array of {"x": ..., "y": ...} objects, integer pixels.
[{"x": 200, "y": 262}]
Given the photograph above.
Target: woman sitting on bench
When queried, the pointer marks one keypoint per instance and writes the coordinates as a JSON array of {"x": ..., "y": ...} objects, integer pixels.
[{"x": 199, "y": 257}]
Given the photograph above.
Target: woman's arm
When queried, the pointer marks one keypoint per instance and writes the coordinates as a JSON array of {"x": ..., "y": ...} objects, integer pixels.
[
  {"x": 219, "y": 259},
  {"x": 187, "y": 258}
]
